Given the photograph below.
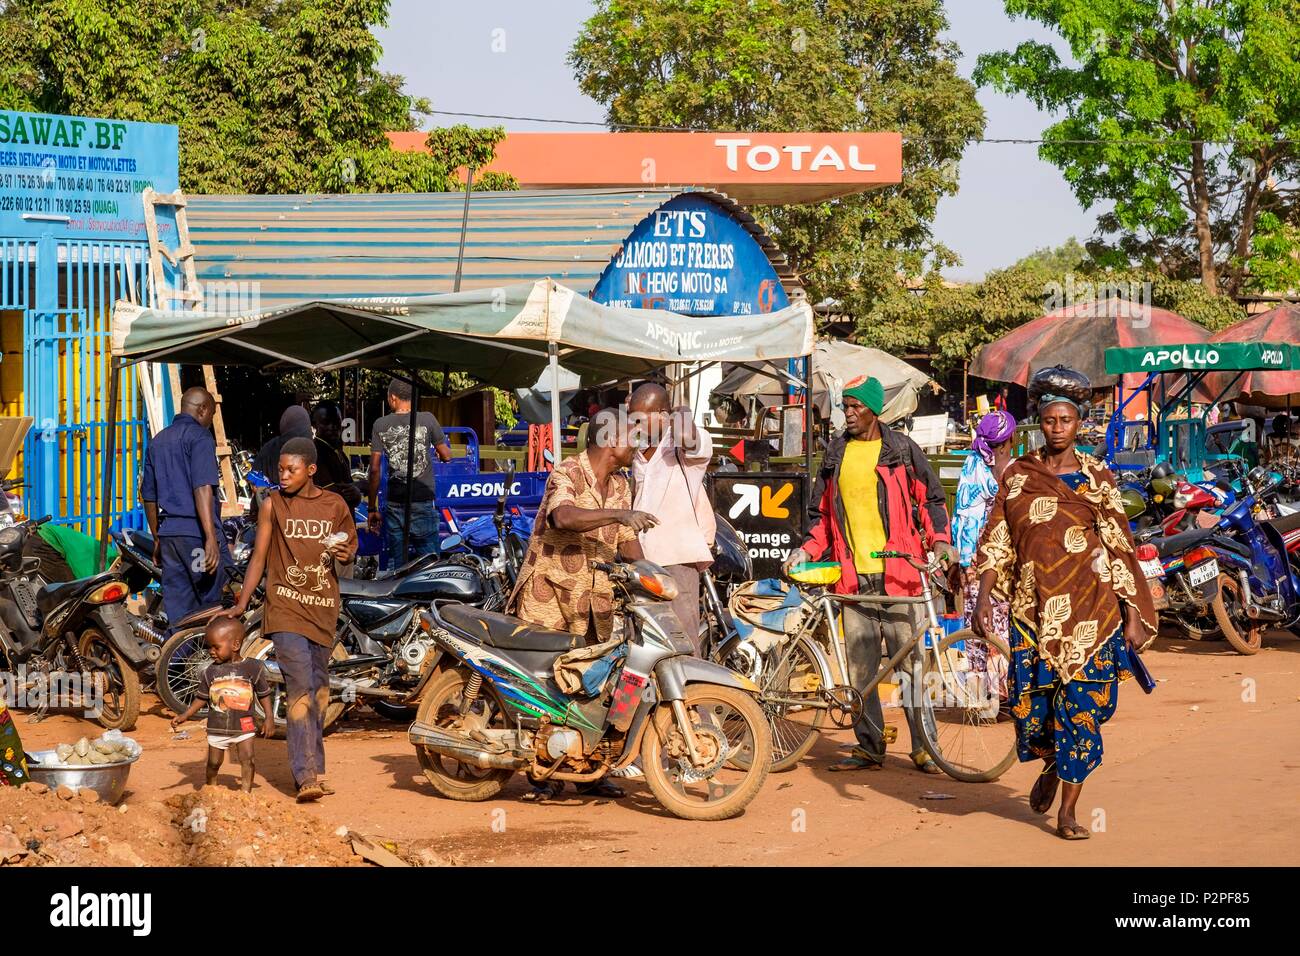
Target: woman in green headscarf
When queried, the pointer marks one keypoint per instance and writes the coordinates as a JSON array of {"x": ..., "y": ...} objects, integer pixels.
[{"x": 13, "y": 762}]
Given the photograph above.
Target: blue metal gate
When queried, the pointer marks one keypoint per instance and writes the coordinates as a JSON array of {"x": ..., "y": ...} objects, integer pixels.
[{"x": 66, "y": 355}]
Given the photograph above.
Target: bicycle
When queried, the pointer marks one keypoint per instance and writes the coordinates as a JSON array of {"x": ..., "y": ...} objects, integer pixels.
[{"x": 962, "y": 709}]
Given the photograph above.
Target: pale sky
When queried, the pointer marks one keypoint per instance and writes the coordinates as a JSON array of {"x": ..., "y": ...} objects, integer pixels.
[{"x": 508, "y": 57}]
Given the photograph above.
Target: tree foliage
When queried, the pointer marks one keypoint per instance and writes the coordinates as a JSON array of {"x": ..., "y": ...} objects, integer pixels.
[
  {"x": 786, "y": 65},
  {"x": 271, "y": 96},
  {"x": 951, "y": 321},
  {"x": 1196, "y": 104}
]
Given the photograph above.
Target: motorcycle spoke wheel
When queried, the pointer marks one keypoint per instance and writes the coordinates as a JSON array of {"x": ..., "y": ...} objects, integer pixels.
[
  {"x": 440, "y": 707},
  {"x": 729, "y": 729},
  {"x": 1245, "y": 636},
  {"x": 183, "y": 659},
  {"x": 966, "y": 725}
]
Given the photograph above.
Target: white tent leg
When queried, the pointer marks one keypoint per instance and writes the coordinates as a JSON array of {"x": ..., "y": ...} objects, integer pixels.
[{"x": 554, "y": 352}]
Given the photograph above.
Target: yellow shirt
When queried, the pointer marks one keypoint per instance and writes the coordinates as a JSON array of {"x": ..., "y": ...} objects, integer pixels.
[{"x": 861, "y": 505}]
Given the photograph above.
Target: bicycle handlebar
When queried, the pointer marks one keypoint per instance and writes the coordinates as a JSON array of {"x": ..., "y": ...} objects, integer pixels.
[{"x": 902, "y": 555}]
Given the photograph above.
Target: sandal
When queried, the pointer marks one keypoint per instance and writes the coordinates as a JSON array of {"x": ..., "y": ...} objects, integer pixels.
[
  {"x": 1073, "y": 832},
  {"x": 1040, "y": 806},
  {"x": 325, "y": 788},
  {"x": 309, "y": 792},
  {"x": 857, "y": 760},
  {"x": 602, "y": 788},
  {"x": 544, "y": 791},
  {"x": 925, "y": 763}
]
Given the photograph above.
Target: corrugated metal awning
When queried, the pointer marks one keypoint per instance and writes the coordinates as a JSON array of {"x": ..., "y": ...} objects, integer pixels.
[{"x": 302, "y": 248}]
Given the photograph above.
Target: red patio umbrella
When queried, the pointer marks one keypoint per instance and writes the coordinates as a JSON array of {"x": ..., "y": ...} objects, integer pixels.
[
  {"x": 1078, "y": 336},
  {"x": 1277, "y": 325}
]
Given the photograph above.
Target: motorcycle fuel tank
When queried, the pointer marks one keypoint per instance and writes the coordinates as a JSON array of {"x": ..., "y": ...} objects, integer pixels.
[{"x": 447, "y": 581}]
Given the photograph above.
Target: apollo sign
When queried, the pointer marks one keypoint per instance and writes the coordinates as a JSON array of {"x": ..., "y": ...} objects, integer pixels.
[
  {"x": 1185, "y": 356},
  {"x": 766, "y": 157}
]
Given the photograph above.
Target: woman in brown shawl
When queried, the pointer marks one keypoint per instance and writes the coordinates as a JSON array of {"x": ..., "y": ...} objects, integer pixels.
[{"x": 1057, "y": 546}]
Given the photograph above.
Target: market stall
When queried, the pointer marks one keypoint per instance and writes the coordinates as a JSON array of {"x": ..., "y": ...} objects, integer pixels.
[{"x": 505, "y": 336}]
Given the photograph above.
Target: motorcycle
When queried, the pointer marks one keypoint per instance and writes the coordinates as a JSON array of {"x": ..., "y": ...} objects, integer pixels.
[
  {"x": 491, "y": 706},
  {"x": 78, "y": 627},
  {"x": 1242, "y": 566}
]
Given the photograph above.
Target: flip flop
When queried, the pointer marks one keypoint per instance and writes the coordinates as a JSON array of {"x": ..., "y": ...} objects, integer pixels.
[
  {"x": 1041, "y": 775},
  {"x": 1074, "y": 832},
  {"x": 544, "y": 792},
  {"x": 925, "y": 763},
  {"x": 858, "y": 760}
]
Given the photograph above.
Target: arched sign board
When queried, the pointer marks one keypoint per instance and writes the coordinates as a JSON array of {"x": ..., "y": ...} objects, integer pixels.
[{"x": 692, "y": 257}]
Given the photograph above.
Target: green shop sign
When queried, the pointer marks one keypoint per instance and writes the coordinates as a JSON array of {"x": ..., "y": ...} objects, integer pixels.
[{"x": 1204, "y": 356}]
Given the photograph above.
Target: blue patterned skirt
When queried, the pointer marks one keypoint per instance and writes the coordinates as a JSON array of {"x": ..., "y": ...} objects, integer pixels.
[{"x": 1062, "y": 723}]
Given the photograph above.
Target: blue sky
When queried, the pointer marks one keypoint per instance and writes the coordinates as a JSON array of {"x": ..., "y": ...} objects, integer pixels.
[{"x": 508, "y": 57}]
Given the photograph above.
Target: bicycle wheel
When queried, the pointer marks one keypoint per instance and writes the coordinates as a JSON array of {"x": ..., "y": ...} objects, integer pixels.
[
  {"x": 789, "y": 687},
  {"x": 965, "y": 725}
]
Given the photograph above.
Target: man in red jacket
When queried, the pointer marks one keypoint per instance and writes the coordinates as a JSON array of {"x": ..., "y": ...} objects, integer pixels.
[{"x": 876, "y": 492}]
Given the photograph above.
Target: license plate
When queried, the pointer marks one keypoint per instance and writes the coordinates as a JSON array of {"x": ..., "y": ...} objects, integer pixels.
[
  {"x": 1203, "y": 572},
  {"x": 1153, "y": 568}
]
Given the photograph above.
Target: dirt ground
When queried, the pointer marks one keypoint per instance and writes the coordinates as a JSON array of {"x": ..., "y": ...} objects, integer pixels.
[{"x": 1205, "y": 771}]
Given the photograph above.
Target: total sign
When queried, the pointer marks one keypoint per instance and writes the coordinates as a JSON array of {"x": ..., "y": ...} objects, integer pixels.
[{"x": 765, "y": 157}]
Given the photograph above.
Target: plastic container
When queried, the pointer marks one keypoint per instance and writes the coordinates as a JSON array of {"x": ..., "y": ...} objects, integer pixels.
[{"x": 951, "y": 624}]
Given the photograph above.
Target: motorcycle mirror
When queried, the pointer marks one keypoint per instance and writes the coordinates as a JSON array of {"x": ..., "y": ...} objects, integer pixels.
[{"x": 452, "y": 542}]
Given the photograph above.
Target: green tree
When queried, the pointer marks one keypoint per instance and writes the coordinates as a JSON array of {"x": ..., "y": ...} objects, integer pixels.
[
  {"x": 269, "y": 95},
  {"x": 1195, "y": 104},
  {"x": 783, "y": 65}
]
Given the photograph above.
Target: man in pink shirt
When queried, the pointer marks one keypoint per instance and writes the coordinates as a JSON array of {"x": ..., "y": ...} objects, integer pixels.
[{"x": 668, "y": 473}]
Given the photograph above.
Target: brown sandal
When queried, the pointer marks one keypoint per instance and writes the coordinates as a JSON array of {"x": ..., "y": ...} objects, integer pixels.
[
  {"x": 1073, "y": 832},
  {"x": 309, "y": 792}
]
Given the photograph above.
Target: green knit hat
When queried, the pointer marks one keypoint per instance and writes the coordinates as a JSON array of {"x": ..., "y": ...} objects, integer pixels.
[{"x": 868, "y": 391}]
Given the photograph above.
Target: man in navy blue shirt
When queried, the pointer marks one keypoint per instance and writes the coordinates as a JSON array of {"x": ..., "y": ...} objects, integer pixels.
[{"x": 179, "y": 491}]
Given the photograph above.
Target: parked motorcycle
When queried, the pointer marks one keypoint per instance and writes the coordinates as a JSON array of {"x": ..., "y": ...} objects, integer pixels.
[
  {"x": 73, "y": 627},
  {"x": 1240, "y": 570},
  {"x": 491, "y": 707}
]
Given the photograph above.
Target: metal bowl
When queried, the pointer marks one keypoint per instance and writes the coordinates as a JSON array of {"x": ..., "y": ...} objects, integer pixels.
[{"x": 106, "y": 779}]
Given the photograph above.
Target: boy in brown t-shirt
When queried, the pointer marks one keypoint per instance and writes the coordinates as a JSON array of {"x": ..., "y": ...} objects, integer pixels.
[{"x": 301, "y": 531}]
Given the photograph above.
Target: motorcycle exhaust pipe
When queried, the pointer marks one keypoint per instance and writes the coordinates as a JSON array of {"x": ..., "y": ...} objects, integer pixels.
[{"x": 458, "y": 748}]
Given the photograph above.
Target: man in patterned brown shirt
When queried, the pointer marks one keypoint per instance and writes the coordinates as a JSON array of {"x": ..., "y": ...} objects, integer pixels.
[{"x": 586, "y": 515}]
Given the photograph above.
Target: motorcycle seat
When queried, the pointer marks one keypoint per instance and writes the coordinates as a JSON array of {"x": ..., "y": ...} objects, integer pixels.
[
  {"x": 504, "y": 632},
  {"x": 135, "y": 539},
  {"x": 52, "y": 595},
  {"x": 363, "y": 588},
  {"x": 410, "y": 567},
  {"x": 1285, "y": 524},
  {"x": 1186, "y": 540},
  {"x": 195, "y": 618}
]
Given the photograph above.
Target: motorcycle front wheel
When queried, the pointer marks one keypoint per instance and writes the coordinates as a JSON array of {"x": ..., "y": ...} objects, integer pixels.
[
  {"x": 731, "y": 736},
  {"x": 440, "y": 707}
]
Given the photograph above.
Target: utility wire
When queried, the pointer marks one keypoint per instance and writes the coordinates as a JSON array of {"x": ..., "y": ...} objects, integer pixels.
[{"x": 980, "y": 140}]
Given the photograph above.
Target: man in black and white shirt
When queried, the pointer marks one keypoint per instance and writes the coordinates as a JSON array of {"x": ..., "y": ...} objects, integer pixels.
[{"x": 390, "y": 437}]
